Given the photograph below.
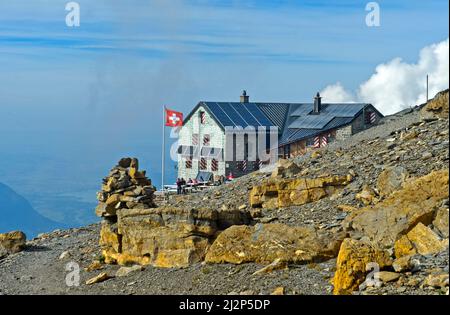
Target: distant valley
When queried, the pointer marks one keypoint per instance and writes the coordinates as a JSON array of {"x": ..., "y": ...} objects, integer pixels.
[{"x": 18, "y": 214}]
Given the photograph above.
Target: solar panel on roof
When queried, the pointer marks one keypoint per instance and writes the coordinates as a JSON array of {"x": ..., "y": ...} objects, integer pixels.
[
  {"x": 245, "y": 114},
  {"x": 343, "y": 110},
  {"x": 233, "y": 114},
  {"x": 218, "y": 112},
  {"x": 303, "y": 109},
  {"x": 311, "y": 121},
  {"x": 258, "y": 114}
]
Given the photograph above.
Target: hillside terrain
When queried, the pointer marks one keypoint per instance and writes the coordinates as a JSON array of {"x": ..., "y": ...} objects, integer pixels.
[
  {"x": 17, "y": 213},
  {"x": 311, "y": 225}
]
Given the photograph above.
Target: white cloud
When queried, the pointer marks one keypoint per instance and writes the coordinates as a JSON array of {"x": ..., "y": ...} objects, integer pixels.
[
  {"x": 396, "y": 85},
  {"x": 336, "y": 93}
]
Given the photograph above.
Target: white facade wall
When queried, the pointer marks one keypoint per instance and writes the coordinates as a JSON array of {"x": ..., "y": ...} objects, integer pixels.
[{"x": 217, "y": 140}]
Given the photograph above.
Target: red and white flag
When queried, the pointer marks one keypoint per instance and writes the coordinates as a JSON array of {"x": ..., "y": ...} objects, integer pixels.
[{"x": 173, "y": 118}]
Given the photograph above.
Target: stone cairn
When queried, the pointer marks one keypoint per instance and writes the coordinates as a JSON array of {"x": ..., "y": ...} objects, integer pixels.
[{"x": 125, "y": 187}]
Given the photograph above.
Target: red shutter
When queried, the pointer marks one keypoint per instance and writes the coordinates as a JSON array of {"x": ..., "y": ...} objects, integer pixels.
[
  {"x": 203, "y": 164},
  {"x": 189, "y": 162},
  {"x": 214, "y": 165},
  {"x": 206, "y": 140},
  {"x": 195, "y": 139}
]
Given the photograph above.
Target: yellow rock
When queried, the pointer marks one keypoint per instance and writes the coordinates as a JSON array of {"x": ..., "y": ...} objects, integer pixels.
[
  {"x": 403, "y": 263},
  {"x": 386, "y": 276},
  {"x": 275, "y": 265},
  {"x": 162, "y": 237},
  {"x": 12, "y": 242},
  {"x": 278, "y": 291},
  {"x": 353, "y": 263},
  {"x": 440, "y": 222},
  {"x": 265, "y": 243},
  {"x": 404, "y": 247},
  {"x": 346, "y": 208},
  {"x": 437, "y": 107},
  {"x": 111, "y": 204},
  {"x": 100, "y": 278},
  {"x": 95, "y": 265},
  {"x": 391, "y": 179},
  {"x": 416, "y": 202},
  {"x": 109, "y": 238},
  {"x": 425, "y": 240},
  {"x": 275, "y": 193},
  {"x": 437, "y": 280},
  {"x": 367, "y": 196}
]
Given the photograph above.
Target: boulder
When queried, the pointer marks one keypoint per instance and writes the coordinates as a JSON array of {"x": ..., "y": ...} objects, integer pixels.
[
  {"x": 437, "y": 107},
  {"x": 404, "y": 247},
  {"x": 386, "y": 276},
  {"x": 265, "y": 243},
  {"x": 12, "y": 242},
  {"x": 425, "y": 241},
  {"x": 391, "y": 179},
  {"x": 276, "y": 193},
  {"x": 440, "y": 222},
  {"x": 125, "y": 271},
  {"x": 285, "y": 168},
  {"x": 406, "y": 263},
  {"x": 393, "y": 217},
  {"x": 437, "y": 279},
  {"x": 354, "y": 261},
  {"x": 367, "y": 196},
  {"x": 162, "y": 237}
]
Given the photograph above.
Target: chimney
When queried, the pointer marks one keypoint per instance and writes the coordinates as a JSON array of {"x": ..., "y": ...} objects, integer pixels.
[
  {"x": 244, "y": 97},
  {"x": 317, "y": 104}
]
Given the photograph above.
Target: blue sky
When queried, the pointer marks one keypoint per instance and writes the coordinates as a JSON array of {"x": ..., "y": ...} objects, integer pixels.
[{"x": 86, "y": 96}]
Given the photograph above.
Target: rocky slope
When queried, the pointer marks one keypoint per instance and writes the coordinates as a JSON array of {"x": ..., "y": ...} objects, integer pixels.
[{"x": 368, "y": 215}]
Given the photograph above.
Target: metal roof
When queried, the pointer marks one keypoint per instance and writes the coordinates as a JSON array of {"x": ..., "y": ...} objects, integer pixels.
[
  {"x": 342, "y": 109},
  {"x": 230, "y": 114},
  {"x": 276, "y": 112},
  {"x": 311, "y": 121},
  {"x": 294, "y": 120}
]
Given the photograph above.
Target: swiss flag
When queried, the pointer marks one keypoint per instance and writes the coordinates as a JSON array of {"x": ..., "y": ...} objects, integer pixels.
[{"x": 173, "y": 118}]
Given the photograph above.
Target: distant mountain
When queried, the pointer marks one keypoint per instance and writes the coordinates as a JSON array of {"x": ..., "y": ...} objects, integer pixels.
[{"x": 16, "y": 213}]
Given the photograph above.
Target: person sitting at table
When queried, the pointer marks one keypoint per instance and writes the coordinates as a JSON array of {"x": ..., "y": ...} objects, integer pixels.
[
  {"x": 189, "y": 181},
  {"x": 195, "y": 181}
]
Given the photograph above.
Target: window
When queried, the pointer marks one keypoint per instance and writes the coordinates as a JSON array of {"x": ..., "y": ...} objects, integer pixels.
[
  {"x": 206, "y": 140},
  {"x": 189, "y": 162},
  {"x": 203, "y": 164},
  {"x": 202, "y": 115},
  {"x": 310, "y": 142}
]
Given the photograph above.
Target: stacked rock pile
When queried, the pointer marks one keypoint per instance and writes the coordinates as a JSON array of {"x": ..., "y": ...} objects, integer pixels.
[{"x": 125, "y": 187}]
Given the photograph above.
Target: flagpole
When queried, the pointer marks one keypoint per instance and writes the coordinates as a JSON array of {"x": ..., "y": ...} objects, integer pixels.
[{"x": 163, "y": 149}]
